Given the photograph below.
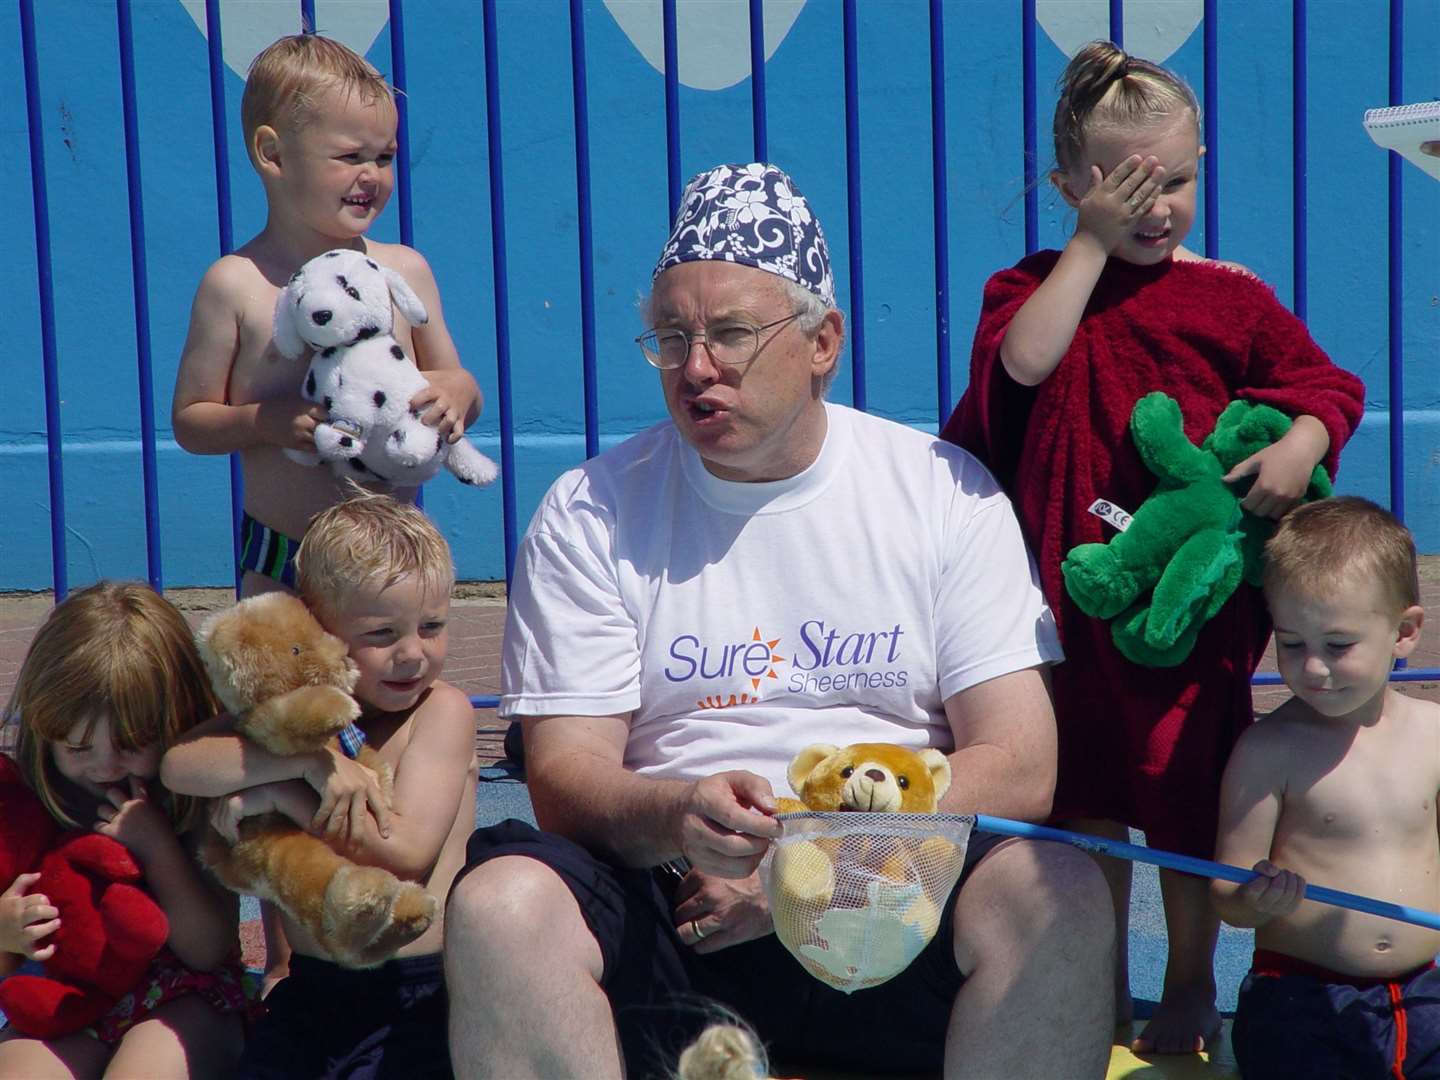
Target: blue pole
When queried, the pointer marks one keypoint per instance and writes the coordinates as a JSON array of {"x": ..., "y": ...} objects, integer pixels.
[
  {"x": 1188, "y": 864},
  {"x": 940, "y": 187},
  {"x": 502, "y": 288},
  {"x": 1212, "y": 129},
  {"x": 672, "y": 106},
  {"x": 45, "y": 283},
  {"x": 1117, "y": 22},
  {"x": 227, "y": 238},
  {"x": 852, "y": 182},
  {"x": 1397, "y": 271},
  {"x": 757, "y": 78},
  {"x": 141, "y": 287},
  {"x": 1027, "y": 104},
  {"x": 307, "y": 16},
  {"x": 578, "y": 82},
  {"x": 402, "y": 130},
  {"x": 1300, "y": 136}
]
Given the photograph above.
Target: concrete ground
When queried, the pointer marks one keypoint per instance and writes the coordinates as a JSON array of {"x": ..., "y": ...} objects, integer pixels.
[{"x": 477, "y": 618}]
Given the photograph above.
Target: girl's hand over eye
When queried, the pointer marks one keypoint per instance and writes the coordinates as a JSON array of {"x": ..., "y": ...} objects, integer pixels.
[
  {"x": 26, "y": 919},
  {"x": 128, "y": 815},
  {"x": 1115, "y": 204}
]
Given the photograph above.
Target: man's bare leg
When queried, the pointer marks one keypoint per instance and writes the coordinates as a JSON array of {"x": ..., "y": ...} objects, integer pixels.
[
  {"x": 1117, "y": 878},
  {"x": 1034, "y": 933},
  {"x": 1186, "y": 1019},
  {"x": 523, "y": 973}
]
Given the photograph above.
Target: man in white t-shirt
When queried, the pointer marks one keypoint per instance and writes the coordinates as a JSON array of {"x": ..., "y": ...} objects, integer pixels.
[{"x": 760, "y": 572}]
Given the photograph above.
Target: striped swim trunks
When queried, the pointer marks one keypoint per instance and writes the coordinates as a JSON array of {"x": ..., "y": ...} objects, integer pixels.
[{"x": 267, "y": 552}]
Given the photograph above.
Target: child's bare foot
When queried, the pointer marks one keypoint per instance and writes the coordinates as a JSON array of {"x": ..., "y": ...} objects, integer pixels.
[{"x": 1185, "y": 1022}]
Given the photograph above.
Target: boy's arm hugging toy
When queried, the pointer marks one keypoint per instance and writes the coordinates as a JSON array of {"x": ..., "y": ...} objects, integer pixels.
[
  {"x": 110, "y": 928},
  {"x": 288, "y": 682},
  {"x": 339, "y": 305},
  {"x": 1190, "y": 543}
]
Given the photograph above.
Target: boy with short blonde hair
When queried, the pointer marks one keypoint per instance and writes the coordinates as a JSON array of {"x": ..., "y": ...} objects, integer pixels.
[
  {"x": 378, "y": 575},
  {"x": 1338, "y": 786},
  {"x": 320, "y": 128}
]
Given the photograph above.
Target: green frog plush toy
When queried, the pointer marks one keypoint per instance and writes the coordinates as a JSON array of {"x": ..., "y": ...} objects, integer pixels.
[{"x": 1190, "y": 543}]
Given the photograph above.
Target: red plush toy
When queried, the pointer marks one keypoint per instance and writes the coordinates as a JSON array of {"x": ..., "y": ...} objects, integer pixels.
[{"x": 110, "y": 928}]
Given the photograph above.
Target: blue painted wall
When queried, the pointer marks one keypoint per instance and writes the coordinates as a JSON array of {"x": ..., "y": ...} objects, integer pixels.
[{"x": 80, "y": 110}]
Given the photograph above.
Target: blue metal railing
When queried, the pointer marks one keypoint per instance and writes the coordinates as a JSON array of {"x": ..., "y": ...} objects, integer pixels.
[{"x": 674, "y": 171}]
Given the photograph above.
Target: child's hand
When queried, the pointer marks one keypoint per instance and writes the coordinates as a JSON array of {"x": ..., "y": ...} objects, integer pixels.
[
  {"x": 227, "y": 813},
  {"x": 348, "y": 791},
  {"x": 129, "y": 816},
  {"x": 447, "y": 401},
  {"x": 25, "y": 920},
  {"x": 1275, "y": 891},
  {"x": 1282, "y": 473},
  {"x": 1113, "y": 206},
  {"x": 1431, "y": 148},
  {"x": 289, "y": 422}
]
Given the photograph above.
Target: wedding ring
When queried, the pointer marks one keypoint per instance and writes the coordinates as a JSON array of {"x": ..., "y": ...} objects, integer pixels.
[{"x": 695, "y": 927}]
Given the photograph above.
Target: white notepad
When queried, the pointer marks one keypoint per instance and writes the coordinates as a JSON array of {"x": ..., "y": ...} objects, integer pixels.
[{"x": 1404, "y": 127}]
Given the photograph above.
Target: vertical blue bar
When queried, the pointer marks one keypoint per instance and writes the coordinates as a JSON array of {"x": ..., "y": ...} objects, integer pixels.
[
  {"x": 402, "y": 109},
  {"x": 45, "y": 283},
  {"x": 852, "y": 182},
  {"x": 940, "y": 187},
  {"x": 1117, "y": 22},
  {"x": 142, "y": 292},
  {"x": 1300, "y": 68},
  {"x": 1028, "y": 95},
  {"x": 672, "y": 106},
  {"x": 502, "y": 286},
  {"x": 757, "y": 78},
  {"x": 1212, "y": 129},
  {"x": 1397, "y": 272},
  {"x": 227, "y": 238},
  {"x": 579, "y": 84},
  {"x": 307, "y": 17}
]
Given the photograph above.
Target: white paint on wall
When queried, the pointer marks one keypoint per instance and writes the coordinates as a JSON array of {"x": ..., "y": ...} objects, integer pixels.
[
  {"x": 712, "y": 37},
  {"x": 247, "y": 26},
  {"x": 1153, "y": 28}
]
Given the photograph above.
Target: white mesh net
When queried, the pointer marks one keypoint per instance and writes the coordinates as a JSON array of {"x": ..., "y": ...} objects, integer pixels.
[{"x": 857, "y": 896}]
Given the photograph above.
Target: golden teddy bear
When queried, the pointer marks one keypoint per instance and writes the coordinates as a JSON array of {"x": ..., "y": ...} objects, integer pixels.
[
  {"x": 288, "y": 683},
  {"x": 867, "y": 873}
]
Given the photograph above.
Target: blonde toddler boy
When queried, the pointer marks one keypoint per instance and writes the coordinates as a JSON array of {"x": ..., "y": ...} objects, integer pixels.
[
  {"x": 319, "y": 125},
  {"x": 378, "y": 575},
  {"x": 1338, "y": 787}
]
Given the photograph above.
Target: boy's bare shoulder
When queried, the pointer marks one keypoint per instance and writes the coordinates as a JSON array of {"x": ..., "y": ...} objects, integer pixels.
[
  {"x": 232, "y": 275},
  {"x": 399, "y": 257},
  {"x": 446, "y": 704}
]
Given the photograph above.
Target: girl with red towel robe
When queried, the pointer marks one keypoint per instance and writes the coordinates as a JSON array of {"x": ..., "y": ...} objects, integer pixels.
[{"x": 1068, "y": 341}]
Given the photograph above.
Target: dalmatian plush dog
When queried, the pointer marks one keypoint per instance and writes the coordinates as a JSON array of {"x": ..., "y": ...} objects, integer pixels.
[{"x": 339, "y": 304}]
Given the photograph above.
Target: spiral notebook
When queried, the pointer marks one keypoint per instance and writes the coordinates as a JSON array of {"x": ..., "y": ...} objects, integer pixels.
[{"x": 1404, "y": 127}]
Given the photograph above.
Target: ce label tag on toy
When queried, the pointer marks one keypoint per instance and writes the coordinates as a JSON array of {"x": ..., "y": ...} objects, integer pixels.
[{"x": 1103, "y": 508}]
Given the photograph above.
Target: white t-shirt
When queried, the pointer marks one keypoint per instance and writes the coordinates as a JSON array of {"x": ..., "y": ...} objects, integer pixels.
[{"x": 737, "y": 623}]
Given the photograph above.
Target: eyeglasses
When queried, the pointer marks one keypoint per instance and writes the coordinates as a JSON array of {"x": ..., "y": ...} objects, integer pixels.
[{"x": 728, "y": 343}]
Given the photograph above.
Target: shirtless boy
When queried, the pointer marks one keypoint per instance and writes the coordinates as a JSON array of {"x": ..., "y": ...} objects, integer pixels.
[
  {"x": 1337, "y": 787},
  {"x": 320, "y": 126},
  {"x": 378, "y": 575}
]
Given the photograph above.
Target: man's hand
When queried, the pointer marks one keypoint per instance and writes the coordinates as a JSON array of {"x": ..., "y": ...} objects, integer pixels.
[
  {"x": 714, "y": 913},
  {"x": 727, "y": 824},
  {"x": 25, "y": 920},
  {"x": 289, "y": 422},
  {"x": 1274, "y": 892},
  {"x": 1115, "y": 204},
  {"x": 128, "y": 815},
  {"x": 348, "y": 790}
]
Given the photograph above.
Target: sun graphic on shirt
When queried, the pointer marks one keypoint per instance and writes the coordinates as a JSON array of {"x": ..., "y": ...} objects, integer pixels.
[{"x": 775, "y": 658}]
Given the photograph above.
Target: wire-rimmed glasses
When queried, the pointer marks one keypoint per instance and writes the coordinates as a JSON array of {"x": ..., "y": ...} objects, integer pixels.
[{"x": 730, "y": 343}]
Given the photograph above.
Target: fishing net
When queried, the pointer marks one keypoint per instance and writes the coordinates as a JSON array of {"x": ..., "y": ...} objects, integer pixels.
[{"x": 857, "y": 896}]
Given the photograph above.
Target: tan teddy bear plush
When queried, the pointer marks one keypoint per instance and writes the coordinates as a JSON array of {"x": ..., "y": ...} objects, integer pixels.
[
  {"x": 288, "y": 683},
  {"x": 859, "y": 871}
]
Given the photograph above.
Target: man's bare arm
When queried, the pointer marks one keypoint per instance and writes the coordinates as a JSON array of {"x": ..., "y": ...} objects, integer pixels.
[
  {"x": 1005, "y": 747},
  {"x": 580, "y": 788}
]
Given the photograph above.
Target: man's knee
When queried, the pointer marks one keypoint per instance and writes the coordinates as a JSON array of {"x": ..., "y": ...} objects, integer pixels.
[
  {"x": 1033, "y": 892},
  {"x": 508, "y": 899}
]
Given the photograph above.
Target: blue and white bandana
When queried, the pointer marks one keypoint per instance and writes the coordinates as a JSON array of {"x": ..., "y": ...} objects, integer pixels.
[{"x": 753, "y": 215}]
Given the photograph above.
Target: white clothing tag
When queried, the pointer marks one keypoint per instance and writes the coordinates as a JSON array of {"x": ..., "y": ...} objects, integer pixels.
[{"x": 1103, "y": 508}]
